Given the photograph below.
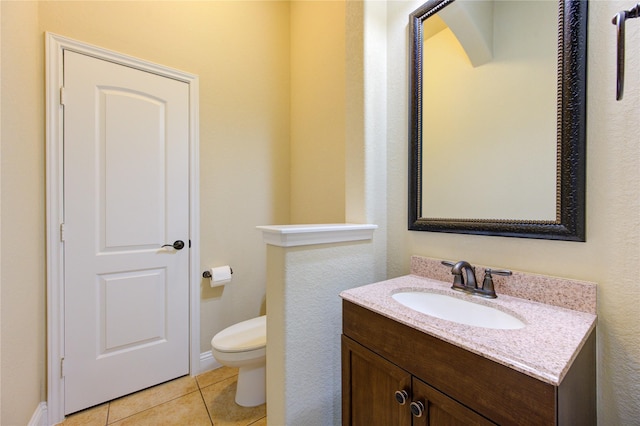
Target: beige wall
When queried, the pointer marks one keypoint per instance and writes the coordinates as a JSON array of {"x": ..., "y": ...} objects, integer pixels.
[
  {"x": 317, "y": 111},
  {"x": 611, "y": 255},
  {"x": 523, "y": 64},
  {"x": 0, "y": 217},
  {"x": 22, "y": 176}
]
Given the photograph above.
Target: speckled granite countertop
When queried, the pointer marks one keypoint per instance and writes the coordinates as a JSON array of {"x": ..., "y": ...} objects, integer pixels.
[{"x": 545, "y": 348}]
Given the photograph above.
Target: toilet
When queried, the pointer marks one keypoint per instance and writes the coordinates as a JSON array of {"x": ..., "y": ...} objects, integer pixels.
[{"x": 244, "y": 345}]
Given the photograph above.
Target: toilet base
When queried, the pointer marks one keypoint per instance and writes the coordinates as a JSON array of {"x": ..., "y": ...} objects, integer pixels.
[{"x": 251, "y": 387}]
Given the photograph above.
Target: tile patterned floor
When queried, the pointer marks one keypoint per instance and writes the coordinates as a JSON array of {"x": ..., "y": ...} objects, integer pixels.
[{"x": 207, "y": 399}]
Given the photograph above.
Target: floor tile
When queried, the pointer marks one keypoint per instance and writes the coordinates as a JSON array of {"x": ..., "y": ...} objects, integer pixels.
[
  {"x": 186, "y": 410},
  {"x": 215, "y": 376},
  {"x": 220, "y": 401},
  {"x": 96, "y": 416},
  {"x": 140, "y": 401},
  {"x": 184, "y": 401}
]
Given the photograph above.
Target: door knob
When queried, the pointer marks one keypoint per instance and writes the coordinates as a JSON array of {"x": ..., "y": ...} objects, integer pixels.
[{"x": 178, "y": 245}]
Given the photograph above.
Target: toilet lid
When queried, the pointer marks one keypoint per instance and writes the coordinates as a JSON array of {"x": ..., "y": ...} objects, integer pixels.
[{"x": 243, "y": 336}]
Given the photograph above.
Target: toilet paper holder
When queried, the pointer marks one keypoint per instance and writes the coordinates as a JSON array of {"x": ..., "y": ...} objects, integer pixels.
[{"x": 207, "y": 274}]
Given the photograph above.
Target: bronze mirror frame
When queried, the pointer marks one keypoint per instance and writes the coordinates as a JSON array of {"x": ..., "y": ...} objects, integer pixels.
[{"x": 571, "y": 136}]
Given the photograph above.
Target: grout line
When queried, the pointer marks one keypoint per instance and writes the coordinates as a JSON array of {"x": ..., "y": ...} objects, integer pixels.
[
  {"x": 106, "y": 423},
  {"x": 235, "y": 374},
  {"x": 205, "y": 405},
  {"x": 256, "y": 421}
]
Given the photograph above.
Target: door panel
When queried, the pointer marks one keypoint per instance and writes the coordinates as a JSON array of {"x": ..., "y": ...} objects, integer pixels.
[
  {"x": 138, "y": 295},
  {"x": 440, "y": 410},
  {"x": 126, "y": 193},
  {"x": 136, "y": 216},
  {"x": 369, "y": 384}
]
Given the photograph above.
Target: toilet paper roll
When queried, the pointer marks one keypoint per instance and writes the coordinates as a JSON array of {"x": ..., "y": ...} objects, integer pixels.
[{"x": 220, "y": 275}]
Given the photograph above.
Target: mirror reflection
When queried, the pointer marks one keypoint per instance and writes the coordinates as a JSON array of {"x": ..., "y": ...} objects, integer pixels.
[
  {"x": 498, "y": 118},
  {"x": 489, "y": 111}
]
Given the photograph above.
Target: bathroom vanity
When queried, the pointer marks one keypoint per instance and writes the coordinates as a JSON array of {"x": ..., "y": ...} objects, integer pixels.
[{"x": 402, "y": 367}]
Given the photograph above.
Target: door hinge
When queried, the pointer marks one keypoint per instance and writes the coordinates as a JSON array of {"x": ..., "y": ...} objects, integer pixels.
[
  {"x": 62, "y": 232},
  {"x": 62, "y": 96},
  {"x": 62, "y": 367}
]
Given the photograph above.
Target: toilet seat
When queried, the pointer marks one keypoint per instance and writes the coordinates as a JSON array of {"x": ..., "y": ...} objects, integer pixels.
[
  {"x": 244, "y": 346},
  {"x": 244, "y": 336}
]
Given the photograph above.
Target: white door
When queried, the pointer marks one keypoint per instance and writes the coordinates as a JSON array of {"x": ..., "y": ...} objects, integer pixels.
[{"x": 126, "y": 194}]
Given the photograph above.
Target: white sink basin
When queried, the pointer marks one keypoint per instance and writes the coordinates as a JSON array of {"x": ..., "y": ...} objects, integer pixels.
[{"x": 457, "y": 310}]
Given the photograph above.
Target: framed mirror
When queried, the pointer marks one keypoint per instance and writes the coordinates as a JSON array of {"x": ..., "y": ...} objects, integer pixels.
[{"x": 497, "y": 137}]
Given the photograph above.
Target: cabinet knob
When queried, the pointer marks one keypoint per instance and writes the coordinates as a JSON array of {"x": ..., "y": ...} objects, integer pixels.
[
  {"x": 417, "y": 408},
  {"x": 402, "y": 396}
]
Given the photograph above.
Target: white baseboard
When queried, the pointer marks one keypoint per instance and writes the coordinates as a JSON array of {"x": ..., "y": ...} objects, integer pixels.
[
  {"x": 40, "y": 416},
  {"x": 208, "y": 362}
]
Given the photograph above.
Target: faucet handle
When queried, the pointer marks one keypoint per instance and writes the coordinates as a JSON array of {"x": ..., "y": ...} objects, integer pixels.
[
  {"x": 504, "y": 272},
  {"x": 448, "y": 263},
  {"x": 487, "y": 289}
]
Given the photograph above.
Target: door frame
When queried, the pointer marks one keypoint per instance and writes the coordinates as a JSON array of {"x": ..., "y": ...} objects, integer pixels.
[{"x": 55, "y": 45}]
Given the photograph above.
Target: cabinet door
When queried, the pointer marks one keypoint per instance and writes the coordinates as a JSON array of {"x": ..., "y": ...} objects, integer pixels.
[
  {"x": 440, "y": 410},
  {"x": 369, "y": 384}
]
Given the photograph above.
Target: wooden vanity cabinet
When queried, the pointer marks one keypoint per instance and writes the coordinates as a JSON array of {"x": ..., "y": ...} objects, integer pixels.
[
  {"x": 456, "y": 387},
  {"x": 370, "y": 384}
]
